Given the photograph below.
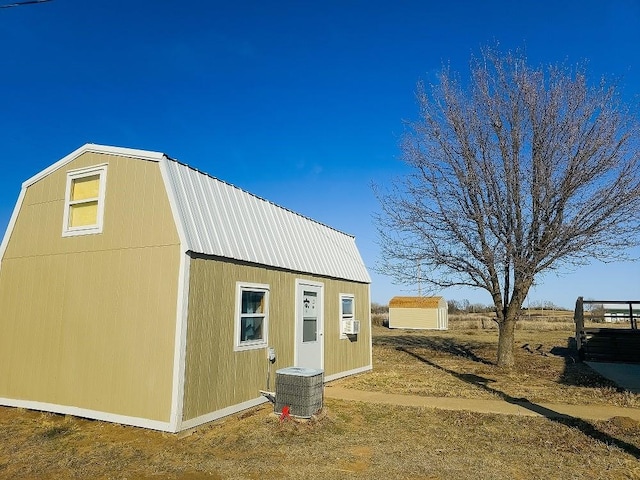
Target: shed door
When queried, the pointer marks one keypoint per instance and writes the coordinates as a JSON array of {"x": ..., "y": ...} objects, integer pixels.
[{"x": 309, "y": 325}]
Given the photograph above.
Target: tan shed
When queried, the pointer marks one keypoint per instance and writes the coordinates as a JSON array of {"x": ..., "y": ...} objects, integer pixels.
[
  {"x": 428, "y": 313},
  {"x": 136, "y": 289}
]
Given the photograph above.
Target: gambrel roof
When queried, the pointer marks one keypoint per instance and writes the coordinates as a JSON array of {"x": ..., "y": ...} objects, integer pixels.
[{"x": 218, "y": 219}]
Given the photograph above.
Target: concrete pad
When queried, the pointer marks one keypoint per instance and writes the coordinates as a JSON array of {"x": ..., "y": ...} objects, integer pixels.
[
  {"x": 625, "y": 375},
  {"x": 512, "y": 407}
]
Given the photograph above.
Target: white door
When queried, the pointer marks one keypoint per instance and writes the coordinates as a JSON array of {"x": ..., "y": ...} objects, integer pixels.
[{"x": 309, "y": 325}]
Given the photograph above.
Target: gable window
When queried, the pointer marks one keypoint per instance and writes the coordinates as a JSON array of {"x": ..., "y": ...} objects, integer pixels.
[
  {"x": 84, "y": 201},
  {"x": 252, "y": 316},
  {"x": 346, "y": 312}
]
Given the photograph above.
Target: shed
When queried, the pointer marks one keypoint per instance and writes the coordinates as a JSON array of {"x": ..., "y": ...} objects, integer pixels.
[
  {"x": 418, "y": 313},
  {"x": 138, "y": 290}
]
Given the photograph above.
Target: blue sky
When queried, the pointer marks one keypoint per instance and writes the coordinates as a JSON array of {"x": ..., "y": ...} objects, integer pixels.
[{"x": 301, "y": 103}]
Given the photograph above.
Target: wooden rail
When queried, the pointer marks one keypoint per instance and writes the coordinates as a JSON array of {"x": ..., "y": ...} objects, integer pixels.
[{"x": 608, "y": 344}]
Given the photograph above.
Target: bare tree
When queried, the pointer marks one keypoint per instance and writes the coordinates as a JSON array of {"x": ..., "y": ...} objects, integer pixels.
[{"x": 520, "y": 171}]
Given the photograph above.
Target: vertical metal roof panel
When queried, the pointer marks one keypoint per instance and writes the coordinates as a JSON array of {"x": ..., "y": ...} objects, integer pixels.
[{"x": 223, "y": 220}]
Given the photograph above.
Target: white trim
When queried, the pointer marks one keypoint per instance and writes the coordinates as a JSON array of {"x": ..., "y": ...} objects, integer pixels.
[
  {"x": 342, "y": 296},
  {"x": 85, "y": 171},
  {"x": 239, "y": 346},
  {"x": 370, "y": 327},
  {"x": 347, "y": 373},
  {"x": 101, "y": 171},
  {"x": 180, "y": 349},
  {"x": 182, "y": 308},
  {"x": 225, "y": 412},
  {"x": 86, "y": 413},
  {"x": 93, "y": 148},
  {"x": 12, "y": 224},
  {"x": 298, "y": 283},
  {"x": 173, "y": 202}
]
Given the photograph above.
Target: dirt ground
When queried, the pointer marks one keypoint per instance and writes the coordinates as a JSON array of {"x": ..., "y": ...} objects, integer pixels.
[{"x": 356, "y": 440}]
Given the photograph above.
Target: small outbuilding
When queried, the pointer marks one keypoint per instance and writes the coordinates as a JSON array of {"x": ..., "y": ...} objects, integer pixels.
[
  {"x": 139, "y": 290},
  {"x": 427, "y": 313}
]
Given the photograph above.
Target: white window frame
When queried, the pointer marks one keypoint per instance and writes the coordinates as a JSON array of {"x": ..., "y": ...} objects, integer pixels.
[
  {"x": 72, "y": 175},
  {"x": 343, "y": 316},
  {"x": 238, "y": 345}
]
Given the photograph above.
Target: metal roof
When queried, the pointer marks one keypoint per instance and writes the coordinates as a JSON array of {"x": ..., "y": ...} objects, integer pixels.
[
  {"x": 216, "y": 218},
  {"x": 415, "y": 302},
  {"x": 220, "y": 219}
]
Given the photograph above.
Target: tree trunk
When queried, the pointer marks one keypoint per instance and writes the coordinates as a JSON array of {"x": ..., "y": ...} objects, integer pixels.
[{"x": 506, "y": 342}]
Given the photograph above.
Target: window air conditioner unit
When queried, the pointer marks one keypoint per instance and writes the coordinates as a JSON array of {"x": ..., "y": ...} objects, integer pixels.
[{"x": 351, "y": 327}]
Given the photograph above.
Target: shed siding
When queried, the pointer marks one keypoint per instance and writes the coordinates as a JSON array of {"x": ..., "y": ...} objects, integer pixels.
[
  {"x": 90, "y": 320},
  {"x": 413, "y": 318},
  {"x": 418, "y": 313},
  {"x": 341, "y": 354},
  {"x": 216, "y": 376}
]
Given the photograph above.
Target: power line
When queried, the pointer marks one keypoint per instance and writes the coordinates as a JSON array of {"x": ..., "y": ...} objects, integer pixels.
[{"x": 26, "y": 2}]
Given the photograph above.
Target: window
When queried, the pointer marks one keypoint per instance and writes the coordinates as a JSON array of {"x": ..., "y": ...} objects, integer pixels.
[
  {"x": 309, "y": 316},
  {"x": 252, "y": 316},
  {"x": 346, "y": 311},
  {"x": 84, "y": 201}
]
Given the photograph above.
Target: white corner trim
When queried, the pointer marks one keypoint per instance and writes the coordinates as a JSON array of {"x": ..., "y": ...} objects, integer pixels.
[
  {"x": 12, "y": 223},
  {"x": 86, "y": 413},
  {"x": 348, "y": 373},
  {"x": 93, "y": 148},
  {"x": 182, "y": 307},
  {"x": 370, "y": 327},
  {"x": 173, "y": 202},
  {"x": 180, "y": 348},
  {"x": 225, "y": 412}
]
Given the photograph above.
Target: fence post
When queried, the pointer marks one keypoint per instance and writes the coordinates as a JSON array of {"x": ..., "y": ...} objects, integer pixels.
[{"x": 578, "y": 318}]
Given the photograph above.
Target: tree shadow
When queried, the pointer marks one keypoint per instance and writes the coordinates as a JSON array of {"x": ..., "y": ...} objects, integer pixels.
[
  {"x": 437, "y": 344},
  {"x": 567, "y": 420}
]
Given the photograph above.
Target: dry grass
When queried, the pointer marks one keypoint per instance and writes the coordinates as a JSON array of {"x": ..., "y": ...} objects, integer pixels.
[
  {"x": 529, "y": 320},
  {"x": 355, "y": 440},
  {"x": 461, "y": 364},
  {"x": 379, "y": 319}
]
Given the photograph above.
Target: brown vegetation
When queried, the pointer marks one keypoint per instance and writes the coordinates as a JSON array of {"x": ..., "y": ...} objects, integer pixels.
[
  {"x": 460, "y": 363},
  {"x": 356, "y": 440}
]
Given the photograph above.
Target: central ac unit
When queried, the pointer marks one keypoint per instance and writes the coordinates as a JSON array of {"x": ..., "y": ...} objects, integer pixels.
[
  {"x": 351, "y": 327},
  {"x": 301, "y": 389}
]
